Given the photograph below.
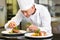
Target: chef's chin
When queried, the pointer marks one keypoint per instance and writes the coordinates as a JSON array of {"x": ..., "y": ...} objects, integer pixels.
[{"x": 27, "y": 16}]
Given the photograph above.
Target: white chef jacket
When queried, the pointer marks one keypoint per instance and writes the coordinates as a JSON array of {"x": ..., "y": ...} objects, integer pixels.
[{"x": 41, "y": 18}]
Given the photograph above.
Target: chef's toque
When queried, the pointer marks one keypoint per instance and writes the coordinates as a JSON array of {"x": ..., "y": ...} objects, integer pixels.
[{"x": 25, "y": 4}]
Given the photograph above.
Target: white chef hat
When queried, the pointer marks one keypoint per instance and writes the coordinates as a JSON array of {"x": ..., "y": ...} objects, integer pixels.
[{"x": 25, "y": 4}]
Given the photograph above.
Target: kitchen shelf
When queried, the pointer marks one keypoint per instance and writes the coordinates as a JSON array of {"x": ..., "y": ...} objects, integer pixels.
[
  {"x": 57, "y": 4},
  {"x": 9, "y": 4},
  {"x": 57, "y": 14},
  {"x": 9, "y": 17},
  {"x": 9, "y": 11}
]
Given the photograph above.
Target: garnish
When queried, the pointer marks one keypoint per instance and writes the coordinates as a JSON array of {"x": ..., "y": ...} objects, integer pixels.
[
  {"x": 37, "y": 31},
  {"x": 28, "y": 24}
]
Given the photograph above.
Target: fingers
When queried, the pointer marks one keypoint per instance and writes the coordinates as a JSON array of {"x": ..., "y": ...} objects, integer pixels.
[
  {"x": 12, "y": 24},
  {"x": 33, "y": 28}
]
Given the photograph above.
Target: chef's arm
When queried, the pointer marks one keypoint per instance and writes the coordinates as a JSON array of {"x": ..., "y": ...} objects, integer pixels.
[
  {"x": 46, "y": 20},
  {"x": 17, "y": 19}
]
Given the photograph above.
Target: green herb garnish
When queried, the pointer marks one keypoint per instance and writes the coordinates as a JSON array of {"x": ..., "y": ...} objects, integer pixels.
[
  {"x": 37, "y": 31},
  {"x": 28, "y": 24}
]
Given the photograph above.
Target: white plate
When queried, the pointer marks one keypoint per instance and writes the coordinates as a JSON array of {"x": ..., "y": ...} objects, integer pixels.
[
  {"x": 20, "y": 32},
  {"x": 29, "y": 35}
]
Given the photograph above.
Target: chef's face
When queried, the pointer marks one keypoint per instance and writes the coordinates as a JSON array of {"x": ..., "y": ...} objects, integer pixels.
[{"x": 28, "y": 12}]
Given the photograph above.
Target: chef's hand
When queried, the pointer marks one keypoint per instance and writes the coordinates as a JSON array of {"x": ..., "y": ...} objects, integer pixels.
[
  {"x": 33, "y": 28},
  {"x": 12, "y": 24}
]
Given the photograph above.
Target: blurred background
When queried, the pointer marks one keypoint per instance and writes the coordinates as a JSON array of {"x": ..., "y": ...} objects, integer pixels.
[{"x": 9, "y": 8}]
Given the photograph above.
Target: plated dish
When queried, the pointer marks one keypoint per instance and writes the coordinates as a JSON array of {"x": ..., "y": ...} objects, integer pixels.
[
  {"x": 20, "y": 32},
  {"x": 30, "y": 35},
  {"x": 13, "y": 32},
  {"x": 7, "y": 33}
]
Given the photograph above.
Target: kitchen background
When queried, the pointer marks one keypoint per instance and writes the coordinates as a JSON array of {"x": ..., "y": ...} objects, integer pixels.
[{"x": 9, "y": 8}]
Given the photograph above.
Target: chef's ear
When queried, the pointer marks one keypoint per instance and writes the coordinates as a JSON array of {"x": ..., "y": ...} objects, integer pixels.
[{"x": 33, "y": 6}]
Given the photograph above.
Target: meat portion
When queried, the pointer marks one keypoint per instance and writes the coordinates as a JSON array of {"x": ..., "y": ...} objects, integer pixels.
[
  {"x": 15, "y": 31},
  {"x": 41, "y": 33}
]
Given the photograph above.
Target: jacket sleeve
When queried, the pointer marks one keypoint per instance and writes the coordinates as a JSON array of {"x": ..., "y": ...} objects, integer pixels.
[
  {"x": 45, "y": 20},
  {"x": 17, "y": 19}
]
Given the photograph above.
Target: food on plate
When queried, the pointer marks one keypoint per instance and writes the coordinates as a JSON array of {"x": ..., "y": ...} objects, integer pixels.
[
  {"x": 37, "y": 31},
  {"x": 41, "y": 33},
  {"x": 15, "y": 30},
  {"x": 35, "y": 34},
  {"x": 28, "y": 24}
]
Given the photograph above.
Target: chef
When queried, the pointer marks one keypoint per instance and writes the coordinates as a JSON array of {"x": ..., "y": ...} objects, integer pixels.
[{"x": 37, "y": 14}]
